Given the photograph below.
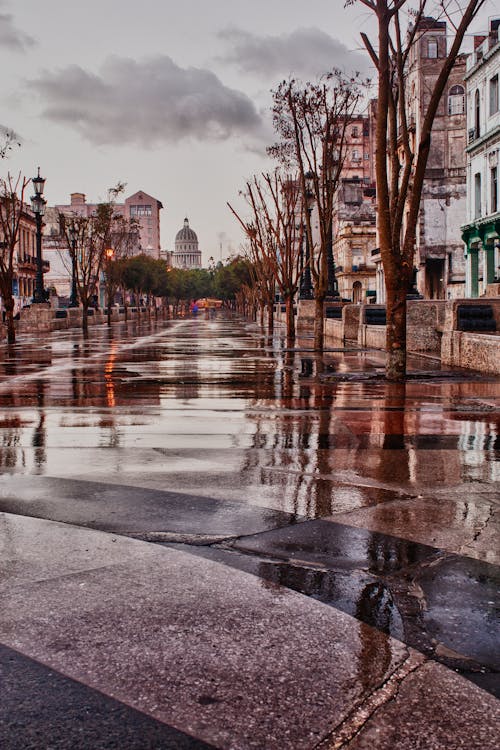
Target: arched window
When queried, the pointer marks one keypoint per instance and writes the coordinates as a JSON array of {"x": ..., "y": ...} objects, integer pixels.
[
  {"x": 456, "y": 100},
  {"x": 432, "y": 47},
  {"x": 477, "y": 114}
]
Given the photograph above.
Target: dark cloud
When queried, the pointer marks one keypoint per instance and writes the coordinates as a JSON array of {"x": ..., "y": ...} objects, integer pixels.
[
  {"x": 12, "y": 37},
  {"x": 146, "y": 102},
  {"x": 304, "y": 52}
]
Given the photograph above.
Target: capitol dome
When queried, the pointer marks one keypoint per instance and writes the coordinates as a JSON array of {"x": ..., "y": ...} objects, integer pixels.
[
  {"x": 186, "y": 234},
  {"x": 187, "y": 253}
]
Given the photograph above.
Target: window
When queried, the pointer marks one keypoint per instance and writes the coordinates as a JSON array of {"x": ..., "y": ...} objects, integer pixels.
[
  {"x": 141, "y": 210},
  {"x": 494, "y": 190},
  {"x": 477, "y": 195},
  {"x": 494, "y": 95},
  {"x": 354, "y": 132},
  {"x": 477, "y": 113},
  {"x": 432, "y": 48},
  {"x": 355, "y": 155},
  {"x": 456, "y": 100}
]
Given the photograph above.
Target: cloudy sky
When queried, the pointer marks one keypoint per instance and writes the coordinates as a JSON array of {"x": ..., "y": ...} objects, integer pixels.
[{"x": 170, "y": 97}]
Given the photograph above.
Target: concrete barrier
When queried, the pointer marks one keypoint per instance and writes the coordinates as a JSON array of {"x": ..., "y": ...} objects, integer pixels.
[
  {"x": 474, "y": 350},
  {"x": 424, "y": 326}
]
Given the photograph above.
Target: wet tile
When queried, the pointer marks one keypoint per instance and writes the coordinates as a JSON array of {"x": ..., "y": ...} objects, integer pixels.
[
  {"x": 467, "y": 522},
  {"x": 432, "y": 708},
  {"x": 41, "y": 708},
  {"x": 200, "y": 646},
  {"x": 134, "y": 510},
  {"x": 338, "y": 547}
]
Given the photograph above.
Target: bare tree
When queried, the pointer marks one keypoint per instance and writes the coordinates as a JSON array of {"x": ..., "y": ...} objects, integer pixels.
[
  {"x": 8, "y": 139},
  {"x": 92, "y": 237},
  {"x": 12, "y": 210},
  {"x": 124, "y": 241},
  {"x": 400, "y": 159},
  {"x": 311, "y": 121},
  {"x": 274, "y": 235}
]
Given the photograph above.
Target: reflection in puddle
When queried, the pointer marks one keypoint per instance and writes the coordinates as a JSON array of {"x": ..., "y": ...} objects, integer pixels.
[{"x": 296, "y": 435}]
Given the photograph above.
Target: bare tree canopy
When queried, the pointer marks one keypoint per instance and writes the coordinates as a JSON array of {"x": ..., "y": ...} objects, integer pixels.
[
  {"x": 401, "y": 155},
  {"x": 12, "y": 209},
  {"x": 275, "y": 236},
  {"x": 311, "y": 122}
]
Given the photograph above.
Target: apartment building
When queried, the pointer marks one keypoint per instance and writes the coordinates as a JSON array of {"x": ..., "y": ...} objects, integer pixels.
[
  {"x": 439, "y": 257},
  {"x": 481, "y": 232}
]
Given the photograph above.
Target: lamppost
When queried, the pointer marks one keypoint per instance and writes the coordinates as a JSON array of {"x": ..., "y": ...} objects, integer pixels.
[
  {"x": 73, "y": 236},
  {"x": 109, "y": 254},
  {"x": 332, "y": 287},
  {"x": 38, "y": 204},
  {"x": 306, "y": 291}
]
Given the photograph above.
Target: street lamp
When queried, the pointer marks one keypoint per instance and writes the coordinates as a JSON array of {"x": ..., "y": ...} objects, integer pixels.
[
  {"x": 38, "y": 204},
  {"x": 73, "y": 236},
  {"x": 109, "y": 254},
  {"x": 306, "y": 291}
]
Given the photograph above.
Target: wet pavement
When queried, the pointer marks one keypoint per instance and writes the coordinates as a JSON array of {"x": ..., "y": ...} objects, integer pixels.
[{"x": 210, "y": 540}]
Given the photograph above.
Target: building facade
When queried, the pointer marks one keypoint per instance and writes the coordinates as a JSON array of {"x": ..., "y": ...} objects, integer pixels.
[
  {"x": 439, "y": 257},
  {"x": 24, "y": 261},
  {"x": 481, "y": 233},
  {"x": 186, "y": 253},
  {"x": 145, "y": 210},
  {"x": 141, "y": 207},
  {"x": 354, "y": 240},
  {"x": 354, "y": 216}
]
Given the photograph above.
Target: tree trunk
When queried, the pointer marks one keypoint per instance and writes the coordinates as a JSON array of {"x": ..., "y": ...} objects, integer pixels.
[
  {"x": 319, "y": 323},
  {"x": 9, "y": 321},
  {"x": 270, "y": 316},
  {"x": 290, "y": 318},
  {"x": 396, "y": 288},
  {"x": 85, "y": 319}
]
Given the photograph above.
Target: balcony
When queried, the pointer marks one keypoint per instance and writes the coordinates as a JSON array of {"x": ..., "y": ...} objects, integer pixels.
[
  {"x": 28, "y": 263},
  {"x": 472, "y": 135}
]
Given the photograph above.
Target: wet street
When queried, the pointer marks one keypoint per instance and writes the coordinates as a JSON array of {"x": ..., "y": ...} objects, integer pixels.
[{"x": 210, "y": 540}]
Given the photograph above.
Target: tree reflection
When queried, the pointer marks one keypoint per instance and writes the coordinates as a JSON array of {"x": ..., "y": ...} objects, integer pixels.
[
  {"x": 394, "y": 457},
  {"x": 39, "y": 438},
  {"x": 10, "y": 446}
]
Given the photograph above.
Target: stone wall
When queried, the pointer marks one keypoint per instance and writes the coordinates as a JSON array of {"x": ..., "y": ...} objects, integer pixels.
[
  {"x": 350, "y": 320},
  {"x": 305, "y": 315},
  {"x": 424, "y": 326},
  {"x": 41, "y": 318},
  {"x": 334, "y": 332},
  {"x": 476, "y": 351},
  {"x": 371, "y": 337}
]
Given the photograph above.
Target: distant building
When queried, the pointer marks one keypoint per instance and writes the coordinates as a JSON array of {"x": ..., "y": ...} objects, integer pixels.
[
  {"x": 56, "y": 251},
  {"x": 140, "y": 206},
  {"x": 354, "y": 233},
  {"x": 481, "y": 233},
  {"x": 187, "y": 253},
  {"x": 354, "y": 240},
  {"x": 146, "y": 211}
]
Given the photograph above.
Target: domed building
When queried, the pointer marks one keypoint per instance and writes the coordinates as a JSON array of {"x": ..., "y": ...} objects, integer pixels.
[{"x": 186, "y": 253}]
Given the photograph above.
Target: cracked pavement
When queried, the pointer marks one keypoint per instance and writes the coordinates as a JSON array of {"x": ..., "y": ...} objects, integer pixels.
[{"x": 201, "y": 547}]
